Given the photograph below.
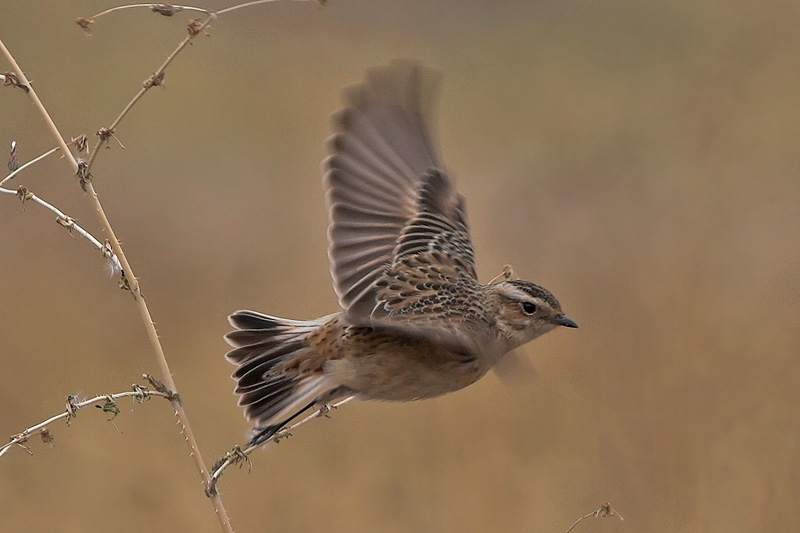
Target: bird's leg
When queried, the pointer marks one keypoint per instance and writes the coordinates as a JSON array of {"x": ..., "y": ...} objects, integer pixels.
[{"x": 263, "y": 434}]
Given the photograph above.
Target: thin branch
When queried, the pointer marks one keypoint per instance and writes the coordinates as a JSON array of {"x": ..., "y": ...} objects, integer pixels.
[
  {"x": 237, "y": 455},
  {"x": 130, "y": 282},
  {"x": 69, "y": 223},
  {"x": 26, "y": 165},
  {"x": 162, "y": 9},
  {"x": 156, "y": 79},
  {"x": 139, "y": 393},
  {"x": 195, "y": 28},
  {"x": 604, "y": 511},
  {"x": 63, "y": 220},
  {"x": 23, "y": 81}
]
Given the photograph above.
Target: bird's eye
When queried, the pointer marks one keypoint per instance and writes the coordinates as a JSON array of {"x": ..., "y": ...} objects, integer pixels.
[{"x": 529, "y": 307}]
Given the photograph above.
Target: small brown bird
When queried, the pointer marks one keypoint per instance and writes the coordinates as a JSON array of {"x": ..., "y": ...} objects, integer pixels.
[{"x": 415, "y": 322}]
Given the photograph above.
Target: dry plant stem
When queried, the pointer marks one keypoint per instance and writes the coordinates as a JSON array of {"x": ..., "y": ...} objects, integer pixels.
[
  {"x": 237, "y": 455},
  {"x": 19, "y": 439},
  {"x": 38, "y": 104},
  {"x": 135, "y": 6},
  {"x": 66, "y": 221},
  {"x": 26, "y": 165},
  {"x": 63, "y": 219},
  {"x": 166, "y": 374},
  {"x": 162, "y": 69},
  {"x": 144, "y": 312},
  {"x": 194, "y": 8},
  {"x": 145, "y": 87},
  {"x": 604, "y": 511},
  {"x": 127, "y": 270}
]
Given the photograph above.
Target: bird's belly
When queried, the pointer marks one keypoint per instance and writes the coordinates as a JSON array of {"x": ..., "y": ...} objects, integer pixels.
[{"x": 393, "y": 367}]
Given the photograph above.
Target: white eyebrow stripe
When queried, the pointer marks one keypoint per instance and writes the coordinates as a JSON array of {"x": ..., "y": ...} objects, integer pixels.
[{"x": 512, "y": 293}]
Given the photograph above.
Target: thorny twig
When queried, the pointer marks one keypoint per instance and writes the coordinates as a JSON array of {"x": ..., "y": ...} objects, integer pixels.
[
  {"x": 604, "y": 511},
  {"x": 67, "y": 222},
  {"x": 156, "y": 79},
  {"x": 139, "y": 393},
  {"x": 129, "y": 280},
  {"x": 237, "y": 455},
  {"x": 62, "y": 219},
  {"x": 166, "y": 10},
  {"x": 33, "y": 161}
]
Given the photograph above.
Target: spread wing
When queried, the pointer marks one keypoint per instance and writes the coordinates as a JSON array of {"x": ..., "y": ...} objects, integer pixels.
[
  {"x": 430, "y": 288},
  {"x": 431, "y": 275},
  {"x": 398, "y": 227}
]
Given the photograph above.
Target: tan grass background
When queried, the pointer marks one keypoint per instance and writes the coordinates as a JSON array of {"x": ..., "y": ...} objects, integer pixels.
[{"x": 640, "y": 159}]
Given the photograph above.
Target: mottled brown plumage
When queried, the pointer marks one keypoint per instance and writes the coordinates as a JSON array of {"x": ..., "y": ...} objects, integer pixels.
[{"x": 415, "y": 321}]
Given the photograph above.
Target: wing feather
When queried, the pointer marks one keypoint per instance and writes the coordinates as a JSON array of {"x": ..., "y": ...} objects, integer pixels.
[
  {"x": 397, "y": 223},
  {"x": 381, "y": 149}
]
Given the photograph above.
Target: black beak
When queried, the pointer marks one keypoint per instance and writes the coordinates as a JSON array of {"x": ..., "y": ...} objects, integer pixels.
[{"x": 561, "y": 320}]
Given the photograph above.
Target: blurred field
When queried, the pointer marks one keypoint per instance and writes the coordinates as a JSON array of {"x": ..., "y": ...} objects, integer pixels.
[{"x": 639, "y": 159}]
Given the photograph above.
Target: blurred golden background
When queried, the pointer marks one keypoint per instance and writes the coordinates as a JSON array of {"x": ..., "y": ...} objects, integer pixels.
[{"x": 640, "y": 159}]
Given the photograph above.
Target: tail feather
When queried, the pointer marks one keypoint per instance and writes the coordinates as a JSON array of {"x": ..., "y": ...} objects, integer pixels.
[
  {"x": 280, "y": 406},
  {"x": 264, "y": 347},
  {"x": 253, "y": 370}
]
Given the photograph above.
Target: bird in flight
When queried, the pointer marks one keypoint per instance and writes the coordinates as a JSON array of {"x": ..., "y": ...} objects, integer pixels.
[{"x": 415, "y": 321}]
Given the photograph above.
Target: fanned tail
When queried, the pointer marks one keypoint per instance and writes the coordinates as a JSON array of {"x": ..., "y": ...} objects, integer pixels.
[{"x": 273, "y": 386}]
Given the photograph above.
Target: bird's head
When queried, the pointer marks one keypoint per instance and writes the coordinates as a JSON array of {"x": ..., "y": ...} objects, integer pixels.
[{"x": 524, "y": 311}]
